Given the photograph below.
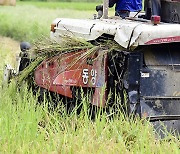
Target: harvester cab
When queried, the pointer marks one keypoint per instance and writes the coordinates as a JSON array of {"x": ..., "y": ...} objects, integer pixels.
[{"x": 134, "y": 59}]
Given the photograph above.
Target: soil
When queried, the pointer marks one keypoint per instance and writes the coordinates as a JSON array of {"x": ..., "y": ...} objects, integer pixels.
[{"x": 9, "y": 49}]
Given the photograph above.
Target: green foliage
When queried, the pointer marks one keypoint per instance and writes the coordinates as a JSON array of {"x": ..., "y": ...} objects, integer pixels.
[
  {"x": 26, "y": 127},
  {"x": 19, "y": 26},
  {"x": 28, "y": 22},
  {"x": 82, "y": 6}
]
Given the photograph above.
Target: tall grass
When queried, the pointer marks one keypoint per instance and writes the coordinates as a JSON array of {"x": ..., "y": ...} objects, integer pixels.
[
  {"x": 28, "y": 23},
  {"x": 31, "y": 20},
  {"x": 28, "y": 128},
  {"x": 81, "y": 6}
]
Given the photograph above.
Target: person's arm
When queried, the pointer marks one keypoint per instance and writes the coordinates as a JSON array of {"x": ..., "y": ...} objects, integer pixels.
[
  {"x": 112, "y": 2},
  {"x": 99, "y": 8}
]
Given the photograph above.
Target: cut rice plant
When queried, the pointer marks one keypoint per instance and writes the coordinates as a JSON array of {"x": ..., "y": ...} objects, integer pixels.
[{"x": 46, "y": 48}]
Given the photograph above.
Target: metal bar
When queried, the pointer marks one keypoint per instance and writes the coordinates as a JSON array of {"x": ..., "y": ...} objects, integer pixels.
[
  {"x": 165, "y": 65},
  {"x": 105, "y": 9},
  {"x": 137, "y": 19},
  {"x": 163, "y": 118},
  {"x": 161, "y": 97}
]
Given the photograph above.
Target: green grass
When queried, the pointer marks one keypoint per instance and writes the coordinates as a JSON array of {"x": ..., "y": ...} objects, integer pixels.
[
  {"x": 28, "y": 128},
  {"x": 23, "y": 25},
  {"x": 81, "y": 6},
  {"x": 27, "y": 22},
  {"x": 31, "y": 20}
]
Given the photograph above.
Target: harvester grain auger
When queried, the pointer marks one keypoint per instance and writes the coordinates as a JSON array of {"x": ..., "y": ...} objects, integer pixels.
[{"x": 136, "y": 58}]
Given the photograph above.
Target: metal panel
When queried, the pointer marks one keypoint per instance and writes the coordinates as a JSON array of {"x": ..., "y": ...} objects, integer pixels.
[
  {"x": 159, "y": 107},
  {"x": 161, "y": 74},
  {"x": 160, "y": 84},
  {"x": 170, "y": 11},
  {"x": 126, "y": 32},
  {"x": 164, "y": 127}
]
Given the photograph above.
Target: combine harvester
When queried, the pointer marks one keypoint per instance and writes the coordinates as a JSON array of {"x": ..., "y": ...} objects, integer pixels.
[{"x": 144, "y": 71}]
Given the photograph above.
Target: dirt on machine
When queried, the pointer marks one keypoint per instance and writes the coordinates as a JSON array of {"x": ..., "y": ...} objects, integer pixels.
[{"x": 136, "y": 59}]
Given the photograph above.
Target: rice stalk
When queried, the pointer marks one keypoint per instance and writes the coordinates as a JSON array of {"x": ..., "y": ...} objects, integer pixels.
[
  {"x": 46, "y": 48},
  {"x": 28, "y": 70}
]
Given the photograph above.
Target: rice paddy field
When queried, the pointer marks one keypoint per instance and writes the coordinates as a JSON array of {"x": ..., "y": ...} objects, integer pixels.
[{"x": 26, "y": 127}]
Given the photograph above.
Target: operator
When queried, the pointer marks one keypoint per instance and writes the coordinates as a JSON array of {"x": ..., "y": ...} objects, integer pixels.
[{"x": 124, "y": 7}]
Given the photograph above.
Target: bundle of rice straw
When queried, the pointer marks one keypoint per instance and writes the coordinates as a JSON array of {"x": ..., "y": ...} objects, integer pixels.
[{"x": 46, "y": 48}]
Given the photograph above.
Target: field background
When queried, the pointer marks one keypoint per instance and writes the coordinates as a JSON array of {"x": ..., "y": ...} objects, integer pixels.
[{"x": 28, "y": 128}]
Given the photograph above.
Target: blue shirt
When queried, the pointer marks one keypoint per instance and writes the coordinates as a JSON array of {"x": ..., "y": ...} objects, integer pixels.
[{"x": 129, "y": 5}]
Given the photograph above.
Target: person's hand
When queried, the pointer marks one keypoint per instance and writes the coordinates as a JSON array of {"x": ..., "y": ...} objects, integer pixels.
[{"x": 99, "y": 9}]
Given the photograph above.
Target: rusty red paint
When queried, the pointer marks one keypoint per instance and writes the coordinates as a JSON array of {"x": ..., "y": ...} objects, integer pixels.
[
  {"x": 164, "y": 40},
  {"x": 60, "y": 73}
]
